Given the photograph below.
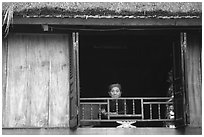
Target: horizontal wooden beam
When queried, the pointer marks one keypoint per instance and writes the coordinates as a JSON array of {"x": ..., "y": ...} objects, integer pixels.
[
  {"x": 105, "y": 131},
  {"x": 109, "y": 22}
]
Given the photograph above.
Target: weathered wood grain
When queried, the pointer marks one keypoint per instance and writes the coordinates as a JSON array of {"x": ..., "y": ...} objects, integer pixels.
[
  {"x": 73, "y": 96},
  {"x": 37, "y": 88},
  {"x": 194, "y": 78},
  {"x": 59, "y": 80},
  {"x": 38, "y": 62},
  {"x": 16, "y": 93},
  {"x": 4, "y": 76}
]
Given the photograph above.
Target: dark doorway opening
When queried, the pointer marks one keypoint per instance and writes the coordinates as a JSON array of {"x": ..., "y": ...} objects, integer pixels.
[{"x": 139, "y": 62}]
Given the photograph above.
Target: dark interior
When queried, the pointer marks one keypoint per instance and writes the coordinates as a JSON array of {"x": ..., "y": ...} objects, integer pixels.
[{"x": 139, "y": 62}]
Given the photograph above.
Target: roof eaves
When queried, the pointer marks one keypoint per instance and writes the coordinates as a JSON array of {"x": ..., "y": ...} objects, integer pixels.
[{"x": 114, "y": 16}]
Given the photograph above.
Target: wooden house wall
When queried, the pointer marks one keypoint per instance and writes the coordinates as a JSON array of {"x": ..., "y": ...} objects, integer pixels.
[
  {"x": 36, "y": 81},
  {"x": 194, "y": 78}
]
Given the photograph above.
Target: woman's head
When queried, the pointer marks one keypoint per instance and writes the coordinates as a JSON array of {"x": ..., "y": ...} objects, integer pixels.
[{"x": 115, "y": 90}]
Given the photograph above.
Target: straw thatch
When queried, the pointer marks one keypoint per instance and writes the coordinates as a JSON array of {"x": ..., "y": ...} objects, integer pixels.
[
  {"x": 104, "y": 8},
  {"x": 101, "y": 10}
]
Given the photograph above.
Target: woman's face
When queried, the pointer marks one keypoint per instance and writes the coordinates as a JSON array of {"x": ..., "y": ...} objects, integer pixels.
[
  {"x": 115, "y": 92},
  {"x": 171, "y": 108}
]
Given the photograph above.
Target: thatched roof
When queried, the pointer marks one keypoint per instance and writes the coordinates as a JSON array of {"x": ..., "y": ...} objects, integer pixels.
[{"x": 105, "y": 9}]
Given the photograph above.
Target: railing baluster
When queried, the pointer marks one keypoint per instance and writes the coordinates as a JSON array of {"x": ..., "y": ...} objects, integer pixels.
[
  {"x": 125, "y": 106},
  {"x": 150, "y": 111},
  {"x": 108, "y": 107},
  {"x": 116, "y": 106},
  {"x": 82, "y": 111},
  {"x": 99, "y": 109},
  {"x": 152, "y": 104},
  {"x": 133, "y": 106},
  {"x": 91, "y": 112},
  {"x": 159, "y": 111},
  {"x": 142, "y": 108}
]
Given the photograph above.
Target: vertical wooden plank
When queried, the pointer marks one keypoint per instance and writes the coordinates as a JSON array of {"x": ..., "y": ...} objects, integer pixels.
[
  {"x": 179, "y": 47},
  {"x": 183, "y": 69},
  {"x": 73, "y": 81},
  {"x": 59, "y": 80},
  {"x": 194, "y": 78},
  {"x": 38, "y": 61},
  {"x": 77, "y": 74},
  {"x": 16, "y": 94},
  {"x": 4, "y": 77}
]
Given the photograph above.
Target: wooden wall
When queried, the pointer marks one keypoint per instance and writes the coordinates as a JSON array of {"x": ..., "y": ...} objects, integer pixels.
[
  {"x": 194, "y": 78},
  {"x": 36, "y": 80},
  {"x": 35, "y": 87},
  {"x": 4, "y": 76}
]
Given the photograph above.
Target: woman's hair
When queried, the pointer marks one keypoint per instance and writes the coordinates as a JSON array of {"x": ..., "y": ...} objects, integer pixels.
[{"x": 115, "y": 85}]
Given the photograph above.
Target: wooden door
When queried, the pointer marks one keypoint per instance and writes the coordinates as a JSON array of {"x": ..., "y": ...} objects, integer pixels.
[
  {"x": 179, "y": 48},
  {"x": 74, "y": 81}
]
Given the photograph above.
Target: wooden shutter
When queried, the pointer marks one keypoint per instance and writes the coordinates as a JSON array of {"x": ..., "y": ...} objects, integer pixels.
[
  {"x": 179, "y": 49},
  {"x": 193, "y": 67},
  {"x": 36, "y": 80},
  {"x": 48, "y": 79},
  {"x": 59, "y": 80},
  {"x": 4, "y": 78},
  {"x": 16, "y": 96},
  {"x": 74, "y": 81}
]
